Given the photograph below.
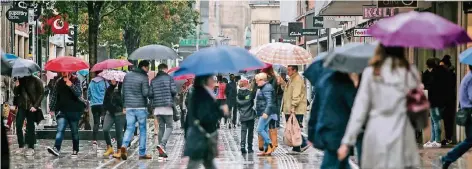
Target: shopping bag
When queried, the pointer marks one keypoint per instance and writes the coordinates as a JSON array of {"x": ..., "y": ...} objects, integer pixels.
[{"x": 292, "y": 133}]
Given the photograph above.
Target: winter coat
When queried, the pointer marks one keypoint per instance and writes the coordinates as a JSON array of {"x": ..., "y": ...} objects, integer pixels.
[
  {"x": 231, "y": 93},
  {"x": 113, "y": 102},
  {"x": 265, "y": 102},
  {"x": 96, "y": 90},
  {"x": 66, "y": 100},
  {"x": 29, "y": 93},
  {"x": 204, "y": 108},
  {"x": 389, "y": 138},
  {"x": 245, "y": 105},
  {"x": 221, "y": 91},
  {"x": 136, "y": 89},
  {"x": 438, "y": 91},
  {"x": 332, "y": 111},
  {"x": 163, "y": 90},
  {"x": 295, "y": 95}
]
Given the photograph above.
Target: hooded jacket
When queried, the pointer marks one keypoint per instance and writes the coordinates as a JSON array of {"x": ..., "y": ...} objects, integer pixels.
[
  {"x": 136, "y": 89},
  {"x": 245, "y": 102},
  {"x": 96, "y": 90}
]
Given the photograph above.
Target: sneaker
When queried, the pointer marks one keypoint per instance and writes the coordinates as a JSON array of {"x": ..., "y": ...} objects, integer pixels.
[
  {"x": 444, "y": 164},
  {"x": 250, "y": 151},
  {"x": 145, "y": 157},
  {"x": 53, "y": 151},
  {"x": 436, "y": 145},
  {"x": 74, "y": 154},
  {"x": 113, "y": 141},
  {"x": 20, "y": 151},
  {"x": 427, "y": 144},
  {"x": 243, "y": 151},
  {"x": 162, "y": 152},
  {"x": 29, "y": 152}
]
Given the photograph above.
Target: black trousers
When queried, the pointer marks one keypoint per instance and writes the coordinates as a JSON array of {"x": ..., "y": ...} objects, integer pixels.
[
  {"x": 233, "y": 108},
  {"x": 449, "y": 117},
  {"x": 30, "y": 128},
  {"x": 183, "y": 113},
  {"x": 5, "y": 150},
  {"x": 97, "y": 111},
  {"x": 247, "y": 131}
]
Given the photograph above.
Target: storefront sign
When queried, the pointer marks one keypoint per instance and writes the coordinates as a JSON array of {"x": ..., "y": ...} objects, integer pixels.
[
  {"x": 361, "y": 33},
  {"x": 193, "y": 42},
  {"x": 17, "y": 15},
  {"x": 372, "y": 12},
  {"x": 318, "y": 22},
  {"x": 28, "y": 4},
  {"x": 295, "y": 29},
  {"x": 310, "y": 32},
  {"x": 397, "y": 4}
]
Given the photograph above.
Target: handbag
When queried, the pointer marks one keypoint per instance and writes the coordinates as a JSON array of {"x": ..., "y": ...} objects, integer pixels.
[
  {"x": 199, "y": 143},
  {"x": 463, "y": 116},
  {"x": 418, "y": 106},
  {"x": 38, "y": 116},
  {"x": 292, "y": 133}
]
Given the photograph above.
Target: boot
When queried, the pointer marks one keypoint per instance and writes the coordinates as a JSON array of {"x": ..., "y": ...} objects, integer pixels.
[
  {"x": 270, "y": 149},
  {"x": 273, "y": 137},
  {"x": 117, "y": 154},
  {"x": 261, "y": 143},
  {"x": 108, "y": 152}
]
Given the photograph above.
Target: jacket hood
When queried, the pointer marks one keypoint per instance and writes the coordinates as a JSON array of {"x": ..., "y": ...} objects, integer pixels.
[{"x": 98, "y": 79}]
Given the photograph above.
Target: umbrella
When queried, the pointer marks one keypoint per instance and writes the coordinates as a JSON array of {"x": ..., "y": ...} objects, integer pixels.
[
  {"x": 110, "y": 64},
  {"x": 466, "y": 57},
  {"x": 66, "y": 64},
  {"x": 224, "y": 59},
  {"x": 23, "y": 67},
  {"x": 113, "y": 75},
  {"x": 83, "y": 72},
  {"x": 316, "y": 70},
  {"x": 352, "y": 57},
  {"x": 283, "y": 54},
  {"x": 181, "y": 77},
  {"x": 153, "y": 52},
  {"x": 418, "y": 29},
  {"x": 7, "y": 63}
]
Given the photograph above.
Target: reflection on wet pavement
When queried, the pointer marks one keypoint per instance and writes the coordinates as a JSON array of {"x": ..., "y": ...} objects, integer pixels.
[{"x": 230, "y": 156}]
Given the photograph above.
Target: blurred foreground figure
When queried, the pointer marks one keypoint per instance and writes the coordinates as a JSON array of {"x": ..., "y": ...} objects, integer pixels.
[
  {"x": 5, "y": 150},
  {"x": 389, "y": 138}
]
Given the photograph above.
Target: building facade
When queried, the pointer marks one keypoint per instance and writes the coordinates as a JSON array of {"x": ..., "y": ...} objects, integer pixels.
[{"x": 263, "y": 15}]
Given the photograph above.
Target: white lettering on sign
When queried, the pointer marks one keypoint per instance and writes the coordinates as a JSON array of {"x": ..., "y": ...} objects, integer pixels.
[
  {"x": 361, "y": 33},
  {"x": 378, "y": 13}
]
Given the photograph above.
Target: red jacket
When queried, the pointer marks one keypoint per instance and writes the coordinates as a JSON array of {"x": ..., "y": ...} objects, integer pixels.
[{"x": 221, "y": 91}]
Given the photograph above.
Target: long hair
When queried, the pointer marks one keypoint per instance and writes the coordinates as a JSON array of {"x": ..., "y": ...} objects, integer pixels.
[{"x": 382, "y": 53}]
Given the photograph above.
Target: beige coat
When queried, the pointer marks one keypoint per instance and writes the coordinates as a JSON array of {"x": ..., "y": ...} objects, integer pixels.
[
  {"x": 294, "y": 95},
  {"x": 389, "y": 139}
]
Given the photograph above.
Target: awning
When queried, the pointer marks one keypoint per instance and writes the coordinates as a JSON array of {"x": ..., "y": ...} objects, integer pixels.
[{"x": 344, "y": 8}]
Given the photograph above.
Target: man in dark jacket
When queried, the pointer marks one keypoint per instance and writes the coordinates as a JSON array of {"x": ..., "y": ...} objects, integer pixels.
[
  {"x": 135, "y": 94},
  {"x": 66, "y": 102},
  {"x": 163, "y": 91},
  {"x": 231, "y": 93},
  {"x": 29, "y": 91},
  {"x": 247, "y": 115}
]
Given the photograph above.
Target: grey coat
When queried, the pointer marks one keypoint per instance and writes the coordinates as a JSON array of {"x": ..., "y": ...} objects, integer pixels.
[
  {"x": 135, "y": 89},
  {"x": 163, "y": 90},
  {"x": 389, "y": 138}
]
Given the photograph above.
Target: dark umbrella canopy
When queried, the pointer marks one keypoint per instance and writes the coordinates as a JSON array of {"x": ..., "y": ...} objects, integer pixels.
[
  {"x": 23, "y": 67},
  {"x": 153, "y": 52}
]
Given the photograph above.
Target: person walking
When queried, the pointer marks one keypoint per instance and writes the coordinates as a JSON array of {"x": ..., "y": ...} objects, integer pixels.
[
  {"x": 330, "y": 115},
  {"x": 96, "y": 95},
  {"x": 247, "y": 115},
  {"x": 231, "y": 94},
  {"x": 136, "y": 92},
  {"x": 29, "y": 91},
  {"x": 221, "y": 97},
  {"x": 294, "y": 101},
  {"x": 389, "y": 137},
  {"x": 203, "y": 115},
  {"x": 465, "y": 102},
  {"x": 265, "y": 109},
  {"x": 163, "y": 91},
  {"x": 68, "y": 106},
  {"x": 113, "y": 105}
]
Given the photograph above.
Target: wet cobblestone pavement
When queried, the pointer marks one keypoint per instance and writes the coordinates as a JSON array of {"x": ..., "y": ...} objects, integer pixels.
[{"x": 230, "y": 156}]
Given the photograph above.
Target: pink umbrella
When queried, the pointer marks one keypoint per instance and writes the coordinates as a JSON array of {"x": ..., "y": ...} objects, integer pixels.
[
  {"x": 113, "y": 75},
  {"x": 182, "y": 77},
  {"x": 110, "y": 64}
]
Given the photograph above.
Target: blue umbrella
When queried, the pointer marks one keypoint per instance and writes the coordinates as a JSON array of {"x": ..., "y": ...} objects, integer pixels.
[
  {"x": 7, "y": 63},
  {"x": 352, "y": 57},
  {"x": 315, "y": 71},
  {"x": 466, "y": 57},
  {"x": 213, "y": 60}
]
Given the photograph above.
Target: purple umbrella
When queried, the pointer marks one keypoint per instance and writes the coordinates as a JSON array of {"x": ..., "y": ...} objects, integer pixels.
[{"x": 415, "y": 29}]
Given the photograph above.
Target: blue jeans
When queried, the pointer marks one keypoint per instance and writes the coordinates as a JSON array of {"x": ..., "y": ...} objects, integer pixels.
[
  {"x": 435, "y": 124},
  {"x": 263, "y": 130},
  {"x": 330, "y": 161},
  {"x": 133, "y": 115},
  {"x": 61, "y": 128},
  {"x": 462, "y": 147},
  {"x": 300, "y": 122}
]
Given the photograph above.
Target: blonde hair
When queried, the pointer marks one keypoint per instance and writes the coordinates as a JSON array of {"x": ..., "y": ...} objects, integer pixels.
[{"x": 261, "y": 76}]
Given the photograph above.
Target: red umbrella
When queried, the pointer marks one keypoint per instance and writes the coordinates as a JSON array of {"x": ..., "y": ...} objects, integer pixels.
[
  {"x": 182, "y": 77},
  {"x": 266, "y": 65},
  {"x": 110, "y": 64},
  {"x": 66, "y": 64}
]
